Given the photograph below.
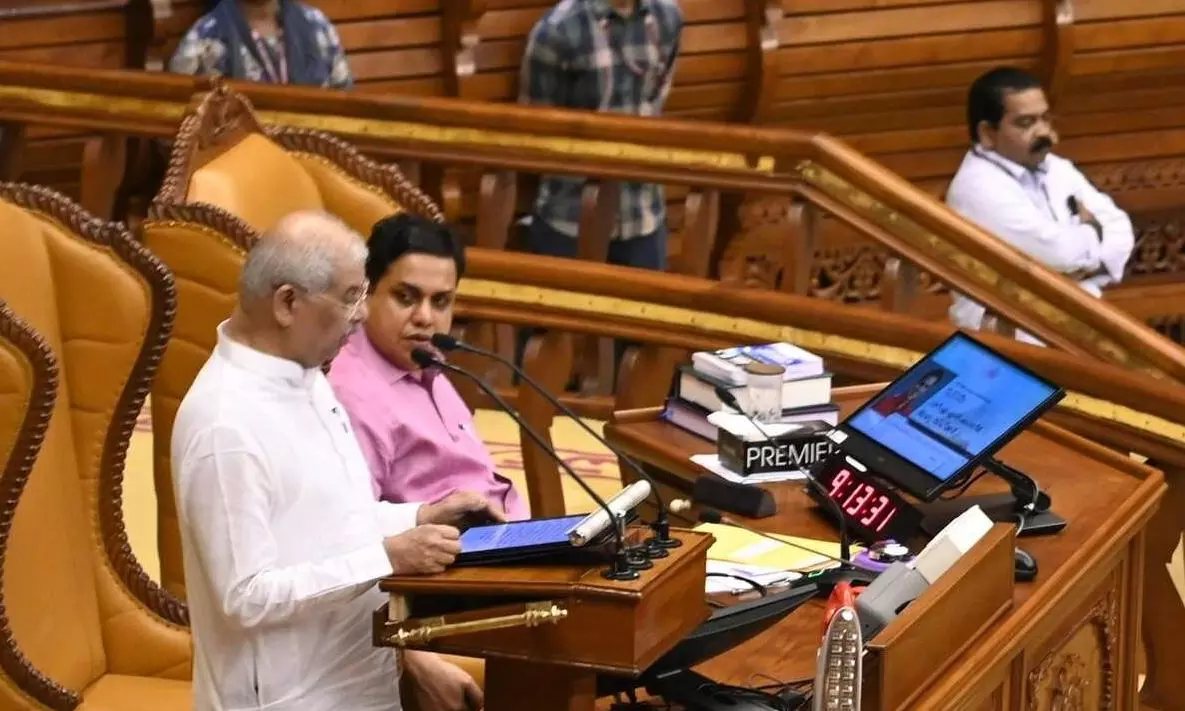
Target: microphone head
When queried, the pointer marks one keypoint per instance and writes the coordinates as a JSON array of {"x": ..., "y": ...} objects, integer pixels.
[
  {"x": 423, "y": 358},
  {"x": 444, "y": 341},
  {"x": 679, "y": 505},
  {"x": 708, "y": 515}
]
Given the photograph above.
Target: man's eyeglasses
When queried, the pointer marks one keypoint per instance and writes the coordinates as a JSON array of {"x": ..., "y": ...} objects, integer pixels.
[{"x": 351, "y": 307}]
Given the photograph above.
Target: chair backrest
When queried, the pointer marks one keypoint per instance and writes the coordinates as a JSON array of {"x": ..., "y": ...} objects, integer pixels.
[
  {"x": 229, "y": 180},
  {"x": 75, "y": 602}
]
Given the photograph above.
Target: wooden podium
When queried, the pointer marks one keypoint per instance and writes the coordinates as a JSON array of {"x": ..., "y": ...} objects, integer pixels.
[{"x": 547, "y": 631}]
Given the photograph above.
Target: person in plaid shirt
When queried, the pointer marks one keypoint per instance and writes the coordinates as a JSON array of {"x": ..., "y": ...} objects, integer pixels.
[
  {"x": 272, "y": 41},
  {"x": 602, "y": 55}
]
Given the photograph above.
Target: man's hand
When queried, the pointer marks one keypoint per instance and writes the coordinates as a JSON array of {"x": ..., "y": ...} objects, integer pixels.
[
  {"x": 423, "y": 550},
  {"x": 453, "y": 509},
  {"x": 1087, "y": 217},
  {"x": 441, "y": 686}
]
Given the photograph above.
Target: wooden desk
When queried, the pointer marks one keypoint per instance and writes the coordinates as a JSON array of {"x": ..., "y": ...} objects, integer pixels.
[{"x": 1070, "y": 640}]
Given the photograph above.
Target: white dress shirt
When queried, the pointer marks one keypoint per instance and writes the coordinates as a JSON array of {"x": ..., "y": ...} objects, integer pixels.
[
  {"x": 1029, "y": 210},
  {"x": 282, "y": 539}
]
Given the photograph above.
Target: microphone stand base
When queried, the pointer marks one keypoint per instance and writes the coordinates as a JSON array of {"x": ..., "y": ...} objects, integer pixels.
[
  {"x": 621, "y": 568},
  {"x": 662, "y": 537},
  {"x": 612, "y": 574},
  {"x": 654, "y": 550},
  {"x": 639, "y": 558}
]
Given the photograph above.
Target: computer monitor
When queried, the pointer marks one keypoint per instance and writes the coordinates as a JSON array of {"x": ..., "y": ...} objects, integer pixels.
[{"x": 944, "y": 416}]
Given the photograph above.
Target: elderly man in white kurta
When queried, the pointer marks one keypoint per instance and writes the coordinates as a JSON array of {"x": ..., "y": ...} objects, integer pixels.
[
  {"x": 282, "y": 536},
  {"x": 1012, "y": 185}
]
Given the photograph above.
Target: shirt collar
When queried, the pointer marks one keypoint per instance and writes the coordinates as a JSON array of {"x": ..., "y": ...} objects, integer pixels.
[
  {"x": 1016, "y": 170},
  {"x": 362, "y": 348},
  {"x": 603, "y": 9},
  {"x": 265, "y": 365}
]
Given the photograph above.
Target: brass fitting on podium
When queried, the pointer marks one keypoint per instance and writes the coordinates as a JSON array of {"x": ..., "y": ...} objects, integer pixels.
[{"x": 534, "y": 614}]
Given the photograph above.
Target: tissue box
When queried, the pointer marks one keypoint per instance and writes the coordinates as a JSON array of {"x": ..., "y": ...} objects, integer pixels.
[{"x": 796, "y": 449}]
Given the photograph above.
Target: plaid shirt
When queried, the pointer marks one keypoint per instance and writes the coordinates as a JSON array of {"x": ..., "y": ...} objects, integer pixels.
[
  {"x": 583, "y": 54},
  {"x": 202, "y": 53}
]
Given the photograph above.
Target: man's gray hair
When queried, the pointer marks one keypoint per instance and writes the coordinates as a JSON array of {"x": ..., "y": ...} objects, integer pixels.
[{"x": 304, "y": 250}]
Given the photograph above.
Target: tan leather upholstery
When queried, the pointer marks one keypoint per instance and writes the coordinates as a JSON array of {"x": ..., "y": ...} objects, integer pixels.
[
  {"x": 81, "y": 611},
  {"x": 244, "y": 181},
  {"x": 115, "y": 692}
]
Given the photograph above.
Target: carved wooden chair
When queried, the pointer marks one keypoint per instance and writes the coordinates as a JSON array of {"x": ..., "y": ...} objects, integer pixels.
[
  {"x": 85, "y": 315},
  {"x": 229, "y": 180}
]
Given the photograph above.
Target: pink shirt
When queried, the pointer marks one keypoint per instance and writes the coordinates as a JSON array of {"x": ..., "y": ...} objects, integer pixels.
[{"x": 417, "y": 433}]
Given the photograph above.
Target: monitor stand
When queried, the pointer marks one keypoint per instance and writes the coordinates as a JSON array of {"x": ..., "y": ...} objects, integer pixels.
[
  {"x": 1026, "y": 505},
  {"x": 1000, "y": 508}
]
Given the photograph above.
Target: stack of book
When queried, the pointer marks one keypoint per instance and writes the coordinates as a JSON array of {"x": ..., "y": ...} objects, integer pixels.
[{"x": 806, "y": 386}]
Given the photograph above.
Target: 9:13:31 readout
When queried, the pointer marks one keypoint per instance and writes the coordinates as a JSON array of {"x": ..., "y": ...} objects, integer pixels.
[{"x": 861, "y": 501}]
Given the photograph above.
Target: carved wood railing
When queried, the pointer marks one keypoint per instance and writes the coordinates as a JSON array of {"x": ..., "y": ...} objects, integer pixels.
[
  {"x": 861, "y": 71},
  {"x": 669, "y": 314},
  {"x": 821, "y": 173}
]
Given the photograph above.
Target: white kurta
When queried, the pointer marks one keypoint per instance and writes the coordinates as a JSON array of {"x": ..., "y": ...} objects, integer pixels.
[
  {"x": 1029, "y": 210},
  {"x": 282, "y": 540}
]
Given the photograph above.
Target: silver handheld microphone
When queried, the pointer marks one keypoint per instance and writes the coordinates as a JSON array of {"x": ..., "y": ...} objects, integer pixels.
[{"x": 619, "y": 505}]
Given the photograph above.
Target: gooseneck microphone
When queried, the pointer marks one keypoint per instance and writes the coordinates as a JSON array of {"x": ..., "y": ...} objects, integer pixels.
[
  {"x": 621, "y": 568},
  {"x": 845, "y": 546},
  {"x": 710, "y": 515},
  {"x": 661, "y": 525}
]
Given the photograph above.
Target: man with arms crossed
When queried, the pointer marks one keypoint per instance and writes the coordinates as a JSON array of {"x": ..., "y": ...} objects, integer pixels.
[
  {"x": 282, "y": 536},
  {"x": 1012, "y": 185}
]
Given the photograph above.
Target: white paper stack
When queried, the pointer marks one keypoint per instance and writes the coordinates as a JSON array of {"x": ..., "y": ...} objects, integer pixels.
[{"x": 766, "y": 577}]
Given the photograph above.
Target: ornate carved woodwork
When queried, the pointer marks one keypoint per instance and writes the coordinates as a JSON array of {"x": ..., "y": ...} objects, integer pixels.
[
  {"x": 1160, "y": 244},
  {"x": 115, "y": 238},
  {"x": 849, "y": 268},
  {"x": 1079, "y": 674},
  {"x": 18, "y": 462}
]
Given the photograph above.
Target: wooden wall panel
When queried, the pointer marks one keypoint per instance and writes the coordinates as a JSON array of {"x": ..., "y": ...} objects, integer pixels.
[{"x": 98, "y": 34}]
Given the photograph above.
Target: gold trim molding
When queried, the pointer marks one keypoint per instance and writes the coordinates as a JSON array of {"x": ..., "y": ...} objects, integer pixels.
[
  {"x": 400, "y": 130},
  {"x": 596, "y": 305},
  {"x": 450, "y": 135}
]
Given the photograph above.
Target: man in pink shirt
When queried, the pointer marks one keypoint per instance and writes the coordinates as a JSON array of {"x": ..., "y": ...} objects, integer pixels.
[{"x": 415, "y": 430}]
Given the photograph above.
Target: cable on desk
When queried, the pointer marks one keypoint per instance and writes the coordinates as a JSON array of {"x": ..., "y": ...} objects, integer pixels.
[
  {"x": 774, "y": 701},
  {"x": 632, "y": 704},
  {"x": 748, "y": 581}
]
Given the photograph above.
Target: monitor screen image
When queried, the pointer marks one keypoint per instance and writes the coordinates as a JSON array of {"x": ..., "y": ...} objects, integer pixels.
[
  {"x": 519, "y": 534},
  {"x": 953, "y": 406}
]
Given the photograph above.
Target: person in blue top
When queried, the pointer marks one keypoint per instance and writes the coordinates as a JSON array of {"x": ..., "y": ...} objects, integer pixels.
[{"x": 270, "y": 41}]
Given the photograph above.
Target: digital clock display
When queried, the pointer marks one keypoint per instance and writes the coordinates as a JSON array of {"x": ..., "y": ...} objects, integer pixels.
[
  {"x": 862, "y": 501},
  {"x": 873, "y": 512}
]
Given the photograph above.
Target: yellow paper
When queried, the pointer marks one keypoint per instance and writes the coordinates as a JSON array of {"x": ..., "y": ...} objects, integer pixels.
[{"x": 736, "y": 545}]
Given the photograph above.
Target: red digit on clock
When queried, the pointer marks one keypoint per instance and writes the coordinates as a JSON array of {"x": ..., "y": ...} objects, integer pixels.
[
  {"x": 852, "y": 496},
  {"x": 838, "y": 482},
  {"x": 888, "y": 518},
  {"x": 867, "y": 492},
  {"x": 875, "y": 510}
]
